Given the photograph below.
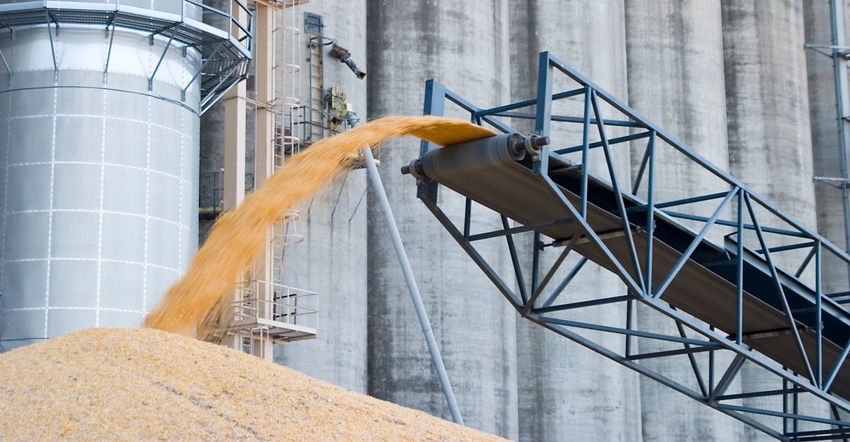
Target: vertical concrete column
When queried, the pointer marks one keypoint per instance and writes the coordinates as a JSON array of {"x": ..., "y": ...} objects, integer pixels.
[
  {"x": 264, "y": 80},
  {"x": 767, "y": 102},
  {"x": 234, "y": 146},
  {"x": 264, "y": 155},
  {"x": 567, "y": 392},
  {"x": 825, "y": 142},
  {"x": 465, "y": 46},
  {"x": 235, "y": 120},
  {"x": 770, "y": 144},
  {"x": 331, "y": 260},
  {"x": 676, "y": 80}
]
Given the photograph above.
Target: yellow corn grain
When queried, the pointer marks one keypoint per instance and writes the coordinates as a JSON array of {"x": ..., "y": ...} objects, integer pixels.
[
  {"x": 144, "y": 384},
  {"x": 239, "y": 236}
]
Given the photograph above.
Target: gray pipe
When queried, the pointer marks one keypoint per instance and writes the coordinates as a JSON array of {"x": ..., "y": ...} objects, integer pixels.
[
  {"x": 842, "y": 106},
  {"x": 378, "y": 185}
]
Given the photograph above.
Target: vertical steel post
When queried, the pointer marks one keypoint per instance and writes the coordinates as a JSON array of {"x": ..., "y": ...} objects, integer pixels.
[
  {"x": 739, "y": 273},
  {"x": 543, "y": 116},
  {"x": 650, "y": 212},
  {"x": 842, "y": 108},
  {"x": 818, "y": 316}
]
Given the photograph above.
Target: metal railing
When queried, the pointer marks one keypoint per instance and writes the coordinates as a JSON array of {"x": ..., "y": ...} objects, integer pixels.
[
  {"x": 288, "y": 306},
  {"x": 224, "y": 50}
]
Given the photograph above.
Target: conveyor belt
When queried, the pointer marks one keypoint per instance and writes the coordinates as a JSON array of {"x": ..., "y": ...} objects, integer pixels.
[{"x": 490, "y": 173}]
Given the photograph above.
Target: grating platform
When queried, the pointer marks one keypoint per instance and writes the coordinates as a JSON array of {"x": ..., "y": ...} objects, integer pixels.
[{"x": 225, "y": 50}]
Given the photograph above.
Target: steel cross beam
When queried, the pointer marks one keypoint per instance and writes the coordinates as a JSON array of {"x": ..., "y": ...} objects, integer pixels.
[{"x": 713, "y": 268}]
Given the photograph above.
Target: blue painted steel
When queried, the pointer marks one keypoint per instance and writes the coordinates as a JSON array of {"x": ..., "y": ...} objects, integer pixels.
[{"x": 816, "y": 327}]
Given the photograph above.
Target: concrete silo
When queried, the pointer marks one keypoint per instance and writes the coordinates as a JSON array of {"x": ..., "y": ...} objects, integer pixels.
[
  {"x": 562, "y": 386},
  {"x": 770, "y": 144},
  {"x": 296, "y": 91},
  {"x": 331, "y": 260},
  {"x": 99, "y": 105},
  {"x": 826, "y": 149},
  {"x": 464, "y": 46},
  {"x": 767, "y": 102},
  {"x": 676, "y": 80}
]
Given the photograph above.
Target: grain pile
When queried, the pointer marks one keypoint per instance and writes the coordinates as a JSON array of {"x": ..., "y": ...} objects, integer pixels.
[
  {"x": 238, "y": 237},
  {"x": 144, "y": 384}
]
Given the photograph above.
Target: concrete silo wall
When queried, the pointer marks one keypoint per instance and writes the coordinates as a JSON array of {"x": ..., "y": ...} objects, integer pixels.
[
  {"x": 99, "y": 186},
  {"x": 331, "y": 260},
  {"x": 768, "y": 114},
  {"x": 825, "y": 144},
  {"x": 676, "y": 80},
  {"x": 565, "y": 390},
  {"x": 99, "y": 190},
  {"x": 464, "y": 45},
  {"x": 767, "y": 102}
]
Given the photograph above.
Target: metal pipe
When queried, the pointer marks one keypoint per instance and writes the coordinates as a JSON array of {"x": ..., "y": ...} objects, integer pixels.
[
  {"x": 378, "y": 185},
  {"x": 842, "y": 102}
]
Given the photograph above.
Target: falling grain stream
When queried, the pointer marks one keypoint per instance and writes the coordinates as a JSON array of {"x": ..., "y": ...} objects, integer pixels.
[
  {"x": 148, "y": 384},
  {"x": 239, "y": 236}
]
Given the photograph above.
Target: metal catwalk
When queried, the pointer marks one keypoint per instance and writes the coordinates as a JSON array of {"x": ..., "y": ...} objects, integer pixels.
[
  {"x": 738, "y": 279},
  {"x": 225, "y": 49}
]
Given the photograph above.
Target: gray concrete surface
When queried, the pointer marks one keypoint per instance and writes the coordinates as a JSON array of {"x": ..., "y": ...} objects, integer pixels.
[
  {"x": 671, "y": 60},
  {"x": 825, "y": 147},
  {"x": 465, "y": 46},
  {"x": 332, "y": 258},
  {"x": 565, "y": 390},
  {"x": 676, "y": 80},
  {"x": 768, "y": 115}
]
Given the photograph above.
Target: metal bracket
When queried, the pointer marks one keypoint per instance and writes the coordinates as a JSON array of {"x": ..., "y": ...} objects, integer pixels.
[
  {"x": 162, "y": 57},
  {"x": 53, "y": 52},
  {"x": 313, "y": 24},
  {"x": 7, "y": 67},
  {"x": 108, "y": 53}
]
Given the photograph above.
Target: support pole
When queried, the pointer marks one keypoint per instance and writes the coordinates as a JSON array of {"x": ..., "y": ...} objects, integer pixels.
[
  {"x": 378, "y": 185},
  {"x": 264, "y": 161},
  {"x": 842, "y": 106}
]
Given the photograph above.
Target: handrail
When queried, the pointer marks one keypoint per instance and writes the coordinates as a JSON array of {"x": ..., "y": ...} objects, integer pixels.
[{"x": 225, "y": 49}]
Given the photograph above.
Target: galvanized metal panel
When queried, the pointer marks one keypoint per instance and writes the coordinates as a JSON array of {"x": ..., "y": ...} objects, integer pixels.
[{"x": 98, "y": 215}]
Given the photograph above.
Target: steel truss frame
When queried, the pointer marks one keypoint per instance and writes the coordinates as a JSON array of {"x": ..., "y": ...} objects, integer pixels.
[{"x": 778, "y": 410}]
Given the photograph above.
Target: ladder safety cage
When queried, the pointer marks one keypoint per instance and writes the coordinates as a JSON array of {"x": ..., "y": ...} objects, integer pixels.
[{"x": 738, "y": 280}]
